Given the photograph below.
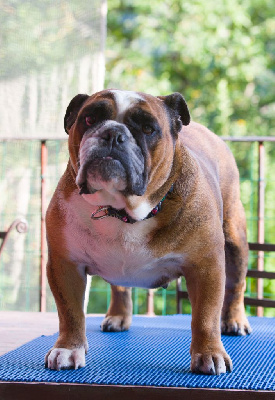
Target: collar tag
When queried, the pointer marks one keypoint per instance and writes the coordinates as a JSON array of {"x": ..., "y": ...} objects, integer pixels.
[{"x": 99, "y": 210}]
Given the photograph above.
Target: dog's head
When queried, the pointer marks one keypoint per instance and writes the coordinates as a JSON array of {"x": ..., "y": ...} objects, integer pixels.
[{"x": 122, "y": 144}]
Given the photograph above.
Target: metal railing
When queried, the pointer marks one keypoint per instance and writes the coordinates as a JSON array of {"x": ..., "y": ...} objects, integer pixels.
[
  {"x": 261, "y": 207},
  {"x": 150, "y": 298},
  {"x": 260, "y": 246},
  {"x": 19, "y": 224}
]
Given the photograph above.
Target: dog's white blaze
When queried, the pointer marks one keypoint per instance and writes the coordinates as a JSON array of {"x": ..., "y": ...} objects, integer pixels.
[
  {"x": 125, "y": 99},
  {"x": 141, "y": 211}
]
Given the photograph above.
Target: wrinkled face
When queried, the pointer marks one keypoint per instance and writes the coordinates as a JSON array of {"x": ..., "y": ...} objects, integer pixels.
[{"x": 120, "y": 141}]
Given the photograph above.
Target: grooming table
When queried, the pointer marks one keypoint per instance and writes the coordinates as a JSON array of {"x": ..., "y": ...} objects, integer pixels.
[{"x": 150, "y": 360}]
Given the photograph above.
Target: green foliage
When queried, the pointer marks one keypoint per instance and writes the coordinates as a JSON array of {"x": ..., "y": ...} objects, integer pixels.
[{"x": 219, "y": 55}]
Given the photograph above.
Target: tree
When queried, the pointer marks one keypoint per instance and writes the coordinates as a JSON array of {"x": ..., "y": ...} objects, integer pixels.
[{"x": 219, "y": 55}]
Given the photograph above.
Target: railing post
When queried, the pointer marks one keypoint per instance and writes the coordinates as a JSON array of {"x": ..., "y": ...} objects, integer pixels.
[
  {"x": 179, "y": 300},
  {"x": 261, "y": 233},
  {"x": 150, "y": 303},
  {"x": 43, "y": 277}
]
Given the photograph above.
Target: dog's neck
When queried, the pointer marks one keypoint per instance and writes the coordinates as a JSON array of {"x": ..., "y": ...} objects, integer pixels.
[{"x": 103, "y": 212}]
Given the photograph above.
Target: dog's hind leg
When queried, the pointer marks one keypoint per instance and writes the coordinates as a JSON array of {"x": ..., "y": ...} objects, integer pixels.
[
  {"x": 119, "y": 314},
  {"x": 234, "y": 321}
]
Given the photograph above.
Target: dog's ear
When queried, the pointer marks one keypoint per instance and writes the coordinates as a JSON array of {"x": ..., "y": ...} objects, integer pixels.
[
  {"x": 72, "y": 110},
  {"x": 178, "y": 109}
]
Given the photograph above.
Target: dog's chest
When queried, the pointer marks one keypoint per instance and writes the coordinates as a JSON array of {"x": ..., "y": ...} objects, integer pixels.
[{"x": 120, "y": 253}]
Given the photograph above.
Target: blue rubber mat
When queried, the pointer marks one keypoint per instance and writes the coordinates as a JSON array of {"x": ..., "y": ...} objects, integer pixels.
[{"x": 155, "y": 351}]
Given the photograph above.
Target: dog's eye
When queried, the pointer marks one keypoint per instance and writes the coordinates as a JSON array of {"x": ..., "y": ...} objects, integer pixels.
[
  {"x": 90, "y": 120},
  {"x": 147, "y": 129}
]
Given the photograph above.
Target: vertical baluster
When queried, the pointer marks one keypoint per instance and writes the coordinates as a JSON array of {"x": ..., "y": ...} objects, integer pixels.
[
  {"x": 261, "y": 206},
  {"x": 43, "y": 278}
]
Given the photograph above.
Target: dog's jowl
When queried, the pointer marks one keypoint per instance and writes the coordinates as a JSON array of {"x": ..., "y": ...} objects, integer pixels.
[{"x": 147, "y": 197}]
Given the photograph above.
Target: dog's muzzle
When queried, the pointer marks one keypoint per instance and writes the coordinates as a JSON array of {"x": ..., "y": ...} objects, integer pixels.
[{"x": 110, "y": 154}]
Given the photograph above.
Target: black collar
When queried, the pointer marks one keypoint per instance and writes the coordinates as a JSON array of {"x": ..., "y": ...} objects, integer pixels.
[{"x": 123, "y": 215}]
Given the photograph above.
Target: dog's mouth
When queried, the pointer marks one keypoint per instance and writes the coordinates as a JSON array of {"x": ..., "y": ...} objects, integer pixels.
[{"x": 102, "y": 173}]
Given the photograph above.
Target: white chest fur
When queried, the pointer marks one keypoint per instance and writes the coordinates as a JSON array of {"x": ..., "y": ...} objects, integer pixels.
[{"x": 116, "y": 251}]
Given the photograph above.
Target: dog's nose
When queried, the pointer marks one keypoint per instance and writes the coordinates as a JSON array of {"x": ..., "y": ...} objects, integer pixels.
[{"x": 114, "y": 136}]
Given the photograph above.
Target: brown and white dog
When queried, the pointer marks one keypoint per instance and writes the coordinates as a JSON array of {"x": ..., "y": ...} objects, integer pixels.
[{"x": 167, "y": 190}]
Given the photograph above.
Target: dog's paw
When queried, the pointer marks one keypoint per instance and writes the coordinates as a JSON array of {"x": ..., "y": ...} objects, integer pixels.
[
  {"x": 116, "y": 323},
  {"x": 211, "y": 363},
  {"x": 235, "y": 327},
  {"x": 61, "y": 358}
]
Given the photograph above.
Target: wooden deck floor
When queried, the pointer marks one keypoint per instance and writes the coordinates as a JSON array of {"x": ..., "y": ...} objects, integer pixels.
[{"x": 17, "y": 328}]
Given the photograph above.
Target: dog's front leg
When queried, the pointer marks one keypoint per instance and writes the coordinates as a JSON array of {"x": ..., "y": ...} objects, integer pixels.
[
  {"x": 205, "y": 283},
  {"x": 68, "y": 282},
  {"x": 119, "y": 314}
]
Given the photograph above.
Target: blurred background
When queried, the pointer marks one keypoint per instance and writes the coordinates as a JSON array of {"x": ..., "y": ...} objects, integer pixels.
[{"x": 219, "y": 55}]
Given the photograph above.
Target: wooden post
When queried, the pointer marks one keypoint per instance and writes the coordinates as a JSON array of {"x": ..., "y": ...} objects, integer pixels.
[
  {"x": 261, "y": 207},
  {"x": 43, "y": 277}
]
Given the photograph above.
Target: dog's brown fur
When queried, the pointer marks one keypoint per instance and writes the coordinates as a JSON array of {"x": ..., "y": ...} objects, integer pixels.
[{"x": 203, "y": 220}]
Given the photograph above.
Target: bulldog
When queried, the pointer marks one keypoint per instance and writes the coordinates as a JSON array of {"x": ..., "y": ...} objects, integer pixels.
[{"x": 147, "y": 197}]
